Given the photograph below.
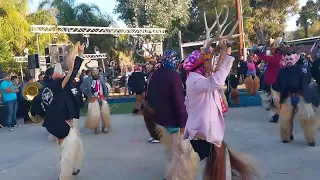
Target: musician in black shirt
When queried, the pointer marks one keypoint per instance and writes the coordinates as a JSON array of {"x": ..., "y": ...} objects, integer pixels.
[
  {"x": 293, "y": 82},
  {"x": 58, "y": 120}
]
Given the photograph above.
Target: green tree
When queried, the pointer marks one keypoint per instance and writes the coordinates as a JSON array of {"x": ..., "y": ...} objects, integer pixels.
[
  {"x": 14, "y": 27},
  {"x": 307, "y": 15},
  {"x": 153, "y": 13},
  {"x": 268, "y": 19},
  {"x": 313, "y": 30},
  {"x": 14, "y": 32}
]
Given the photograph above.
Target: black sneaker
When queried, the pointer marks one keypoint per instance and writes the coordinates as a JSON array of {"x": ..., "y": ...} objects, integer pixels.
[
  {"x": 275, "y": 118},
  {"x": 135, "y": 111},
  {"x": 76, "y": 172}
]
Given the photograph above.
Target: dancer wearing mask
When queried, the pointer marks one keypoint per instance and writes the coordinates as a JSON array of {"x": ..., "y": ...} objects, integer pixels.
[
  {"x": 315, "y": 87},
  {"x": 205, "y": 125},
  {"x": 137, "y": 82},
  {"x": 94, "y": 87},
  {"x": 165, "y": 106},
  {"x": 149, "y": 115},
  {"x": 57, "y": 121},
  {"x": 271, "y": 95},
  {"x": 252, "y": 81},
  {"x": 295, "y": 98}
]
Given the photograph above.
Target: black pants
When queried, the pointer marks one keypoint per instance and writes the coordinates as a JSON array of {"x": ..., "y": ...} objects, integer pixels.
[
  {"x": 202, "y": 147},
  {"x": 23, "y": 109}
]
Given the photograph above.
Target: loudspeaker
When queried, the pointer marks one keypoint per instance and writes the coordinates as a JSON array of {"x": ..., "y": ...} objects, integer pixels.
[
  {"x": 58, "y": 53},
  {"x": 33, "y": 61}
]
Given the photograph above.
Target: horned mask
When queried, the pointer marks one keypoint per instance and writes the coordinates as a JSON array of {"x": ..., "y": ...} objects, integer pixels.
[
  {"x": 291, "y": 55},
  {"x": 291, "y": 59},
  {"x": 94, "y": 71},
  {"x": 195, "y": 62}
]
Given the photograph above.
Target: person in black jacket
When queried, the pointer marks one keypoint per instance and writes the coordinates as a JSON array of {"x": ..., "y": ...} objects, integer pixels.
[
  {"x": 137, "y": 81},
  {"x": 295, "y": 98},
  {"x": 58, "y": 118}
]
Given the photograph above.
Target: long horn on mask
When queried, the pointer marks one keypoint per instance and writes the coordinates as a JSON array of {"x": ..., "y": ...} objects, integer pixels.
[
  {"x": 87, "y": 66},
  {"x": 219, "y": 36}
]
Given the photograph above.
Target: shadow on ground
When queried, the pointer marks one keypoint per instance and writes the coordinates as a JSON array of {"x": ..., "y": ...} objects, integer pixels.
[{"x": 124, "y": 154}]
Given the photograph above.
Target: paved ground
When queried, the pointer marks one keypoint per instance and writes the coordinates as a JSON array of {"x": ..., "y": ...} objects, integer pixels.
[{"x": 124, "y": 154}]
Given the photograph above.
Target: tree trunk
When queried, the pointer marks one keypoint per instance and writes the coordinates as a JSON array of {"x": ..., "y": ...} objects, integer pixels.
[{"x": 306, "y": 32}]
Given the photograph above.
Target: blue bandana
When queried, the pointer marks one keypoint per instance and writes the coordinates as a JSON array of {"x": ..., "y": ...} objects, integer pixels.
[{"x": 170, "y": 59}]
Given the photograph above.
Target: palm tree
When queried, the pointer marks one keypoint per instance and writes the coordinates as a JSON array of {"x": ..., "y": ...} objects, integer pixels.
[{"x": 307, "y": 15}]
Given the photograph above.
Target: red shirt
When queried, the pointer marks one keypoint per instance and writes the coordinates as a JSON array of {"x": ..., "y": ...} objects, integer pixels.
[{"x": 271, "y": 73}]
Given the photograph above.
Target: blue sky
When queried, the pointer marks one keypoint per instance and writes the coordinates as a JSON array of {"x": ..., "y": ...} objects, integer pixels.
[{"x": 108, "y": 5}]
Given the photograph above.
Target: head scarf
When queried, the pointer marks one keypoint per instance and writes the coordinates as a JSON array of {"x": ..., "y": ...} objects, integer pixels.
[
  {"x": 137, "y": 68},
  {"x": 191, "y": 62},
  {"x": 170, "y": 59}
]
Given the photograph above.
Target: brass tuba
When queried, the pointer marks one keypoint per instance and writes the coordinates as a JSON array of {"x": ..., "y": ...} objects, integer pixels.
[{"x": 29, "y": 92}]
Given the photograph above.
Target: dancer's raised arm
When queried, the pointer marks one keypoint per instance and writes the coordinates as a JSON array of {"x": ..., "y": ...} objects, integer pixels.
[{"x": 70, "y": 62}]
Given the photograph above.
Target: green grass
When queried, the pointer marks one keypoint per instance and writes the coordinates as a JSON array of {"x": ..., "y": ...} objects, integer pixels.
[{"x": 123, "y": 108}]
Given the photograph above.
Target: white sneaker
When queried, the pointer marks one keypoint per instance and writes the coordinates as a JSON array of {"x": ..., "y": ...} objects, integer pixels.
[
  {"x": 151, "y": 139},
  {"x": 154, "y": 141},
  {"x": 10, "y": 129},
  {"x": 17, "y": 126}
]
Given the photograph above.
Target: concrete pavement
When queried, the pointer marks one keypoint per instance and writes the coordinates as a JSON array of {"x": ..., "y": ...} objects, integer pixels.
[{"x": 124, "y": 154}]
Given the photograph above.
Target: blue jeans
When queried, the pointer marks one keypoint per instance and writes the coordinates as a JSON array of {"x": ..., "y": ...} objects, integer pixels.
[{"x": 12, "y": 107}]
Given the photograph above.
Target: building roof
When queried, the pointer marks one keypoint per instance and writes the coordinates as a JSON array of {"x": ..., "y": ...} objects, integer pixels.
[{"x": 304, "y": 40}]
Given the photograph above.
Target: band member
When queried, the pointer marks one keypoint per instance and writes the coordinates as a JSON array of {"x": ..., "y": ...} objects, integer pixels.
[
  {"x": 205, "y": 124},
  {"x": 252, "y": 81},
  {"x": 295, "y": 98},
  {"x": 137, "y": 82},
  {"x": 57, "y": 120},
  {"x": 166, "y": 106},
  {"x": 94, "y": 87},
  {"x": 271, "y": 95},
  {"x": 24, "y": 105}
]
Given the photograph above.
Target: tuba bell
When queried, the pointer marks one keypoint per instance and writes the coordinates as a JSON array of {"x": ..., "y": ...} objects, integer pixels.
[{"x": 29, "y": 92}]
